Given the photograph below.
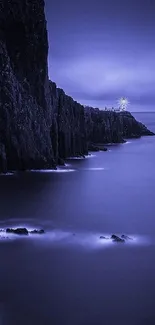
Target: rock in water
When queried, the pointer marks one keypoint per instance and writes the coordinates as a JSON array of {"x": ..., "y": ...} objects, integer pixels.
[
  {"x": 126, "y": 237},
  {"x": 37, "y": 232},
  {"x": 117, "y": 239},
  {"x": 17, "y": 231},
  {"x": 24, "y": 231},
  {"x": 103, "y": 237}
]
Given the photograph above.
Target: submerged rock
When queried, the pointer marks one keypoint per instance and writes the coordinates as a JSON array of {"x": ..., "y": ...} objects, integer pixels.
[
  {"x": 126, "y": 237},
  {"x": 117, "y": 239},
  {"x": 103, "y": 237},
  {"x": 17, "y": 231},
  {"x": 37, "y": 232}
]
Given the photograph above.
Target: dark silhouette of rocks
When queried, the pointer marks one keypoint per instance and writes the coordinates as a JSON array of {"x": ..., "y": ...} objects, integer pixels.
[
  {"x": 126, "y": 237},
  {"x": 37, "y": 232},
  {"x": 103, "y": 237},
  {"x": 24, "y": 231},
  {"x": 117, "y": 239},
  {"x": 39, "y": 124},
  {"x": 111, "y": 127},
  {"x": 17, "y": 231}
]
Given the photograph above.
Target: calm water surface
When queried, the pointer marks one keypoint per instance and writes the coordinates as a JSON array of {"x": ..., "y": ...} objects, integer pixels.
[{"x": 61, "y": 278}]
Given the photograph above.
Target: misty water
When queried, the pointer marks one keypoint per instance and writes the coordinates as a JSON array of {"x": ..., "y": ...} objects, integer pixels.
[{"x": 69, "y": 275}]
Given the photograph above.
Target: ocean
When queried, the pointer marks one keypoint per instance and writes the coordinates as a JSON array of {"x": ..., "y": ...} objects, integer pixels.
[{"x": 70, "y": 276}]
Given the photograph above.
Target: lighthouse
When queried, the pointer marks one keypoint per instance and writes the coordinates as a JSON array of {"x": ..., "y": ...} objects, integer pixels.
[{"x": 123, "y": 104}]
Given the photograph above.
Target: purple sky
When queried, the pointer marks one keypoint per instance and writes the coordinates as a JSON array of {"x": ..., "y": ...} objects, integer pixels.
[{"x": 101, "y": 50}]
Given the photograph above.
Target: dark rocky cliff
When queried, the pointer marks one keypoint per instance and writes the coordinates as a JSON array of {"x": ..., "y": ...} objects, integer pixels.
[
  {"x": 68, "y": 127},
  {"x": 131, "y": 128},
  {"x": 102, "y": 126},
  {"x": 109, "y": 126},
  {"x": 39, "y": 123},
  {"x": 25, "y": 108}
]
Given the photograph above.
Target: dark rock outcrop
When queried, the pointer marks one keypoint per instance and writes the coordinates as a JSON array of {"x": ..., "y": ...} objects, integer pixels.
[
  {"x": 37, "y": 232},
  {"x": 117, "y": 239},
  {"x": 126, "y": 237},
  {"x": 103, "y": 237},
  {"x": 17, "y": 231},
  {"x": 24, "y": 231},
  {"x": 39, "y": 124}
]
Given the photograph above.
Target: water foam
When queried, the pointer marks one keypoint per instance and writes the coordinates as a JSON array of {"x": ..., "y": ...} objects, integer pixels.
[
  {"x": 95, "y": 168},
  {"x": 81, "y": 158},
  {"x": 127, "y": 142},
  {"x": 58, "y": 170}
]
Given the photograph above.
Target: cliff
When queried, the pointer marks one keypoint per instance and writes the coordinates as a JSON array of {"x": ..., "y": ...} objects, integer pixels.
[
  {"x": 112, "y": 127},
  {"x": 102, "y": 126},
  {"x": 68, "y": 127},
  {"x": 39, "y": 124},
  {"x": 25, "y": 107},
  {"x": 131, "y": 128}
]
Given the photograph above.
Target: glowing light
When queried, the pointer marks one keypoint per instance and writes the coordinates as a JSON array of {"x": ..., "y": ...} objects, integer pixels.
[{"x": 123, "y": 103}]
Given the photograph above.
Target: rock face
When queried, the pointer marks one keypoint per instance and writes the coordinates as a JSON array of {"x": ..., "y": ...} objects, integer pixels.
[
  {"x": 130, "y": 128},
  {"x": 39, "y": 124},
  {"x": 68, "y": 127},
  {"x": 102, "y": 126},
  {"x": 112, "y": 127},
  {"x": 25, "y": 104}
]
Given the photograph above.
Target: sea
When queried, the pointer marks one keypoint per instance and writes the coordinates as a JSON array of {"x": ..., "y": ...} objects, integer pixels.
[{"x": 69, "y": 275}]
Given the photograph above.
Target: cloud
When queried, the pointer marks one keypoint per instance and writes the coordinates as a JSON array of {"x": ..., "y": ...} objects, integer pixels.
[{"x": 106, "y": 79}]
